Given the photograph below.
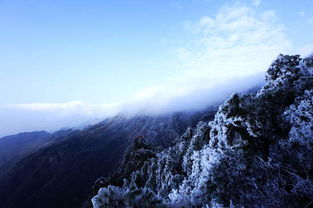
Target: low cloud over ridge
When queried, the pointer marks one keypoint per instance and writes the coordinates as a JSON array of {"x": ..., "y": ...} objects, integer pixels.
[{"x": 229, "y": 52}]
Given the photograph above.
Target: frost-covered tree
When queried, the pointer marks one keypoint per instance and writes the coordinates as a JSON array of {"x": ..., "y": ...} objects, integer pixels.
[{"x": 257, "y": 152}]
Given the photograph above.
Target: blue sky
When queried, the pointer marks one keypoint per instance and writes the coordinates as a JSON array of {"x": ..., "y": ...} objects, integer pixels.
[{"x": 97, "y": 55}]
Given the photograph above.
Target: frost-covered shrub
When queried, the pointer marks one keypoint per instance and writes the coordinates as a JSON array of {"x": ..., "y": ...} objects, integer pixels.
[
  {"x": 300, "y": 117},
  {"x": 133, "y": 197},
  {"x": 257, "y": 152},
  {"x": 111, "y": 196}
]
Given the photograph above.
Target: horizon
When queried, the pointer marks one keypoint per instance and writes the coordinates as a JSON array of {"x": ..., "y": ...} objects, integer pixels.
[{"x": 65, "y": 63}]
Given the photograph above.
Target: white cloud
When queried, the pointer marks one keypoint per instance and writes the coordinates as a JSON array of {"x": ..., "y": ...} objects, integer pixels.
[
  {"x": 238, "y": 41},
  {"x": 63, "y": 109},
  {"x": 51, "y": 116},
  {"x": 228, "y": 52},
  {"x": 194, "y": 95}
]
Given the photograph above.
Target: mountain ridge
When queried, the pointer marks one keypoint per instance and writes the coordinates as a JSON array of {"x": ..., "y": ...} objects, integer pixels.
[
  {"x": 257, "y": 152},
  {"x": 70, "y": 164}
]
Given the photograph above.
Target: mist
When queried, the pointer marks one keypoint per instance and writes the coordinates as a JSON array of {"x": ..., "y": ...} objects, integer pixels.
[
  {"x": 54, "y": 116},
  {"x": 50, "y": 117},
  {"x": 228, "y": 53},
  {"x": 164, "y": 101}
]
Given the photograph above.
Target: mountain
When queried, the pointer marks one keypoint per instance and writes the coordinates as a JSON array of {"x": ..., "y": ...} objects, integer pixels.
[
  {"x": 15, "y": 147},
  {"x": 62, "y": 173},
  {"x": 257, "y": 152}
]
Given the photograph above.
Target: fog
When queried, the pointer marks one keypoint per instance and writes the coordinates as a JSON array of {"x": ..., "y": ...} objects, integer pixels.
[
  {"x": 228, "y": 53},
  {"x": 55, "y": 116},
  {"x": 164, "y": 101},
  {"x": 50, "y": 117}
]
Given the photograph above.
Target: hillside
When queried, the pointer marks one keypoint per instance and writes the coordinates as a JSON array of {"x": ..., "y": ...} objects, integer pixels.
[
  {"x": 16, "y": 147},
  {"x": 257, "y": 152},
  {"x": 62, "y": 173}
]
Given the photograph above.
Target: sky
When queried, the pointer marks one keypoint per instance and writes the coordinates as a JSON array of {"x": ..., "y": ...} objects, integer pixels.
[{"x": 67, "y": 62}]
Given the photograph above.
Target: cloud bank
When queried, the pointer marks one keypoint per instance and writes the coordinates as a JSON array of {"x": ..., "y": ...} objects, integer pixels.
[
  {"x": 228, "y": 52},
  {"x": 51, "y": 116}
]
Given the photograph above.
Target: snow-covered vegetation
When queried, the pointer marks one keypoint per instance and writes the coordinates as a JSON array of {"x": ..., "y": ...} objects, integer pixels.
[{"x": 257, "y": 152}]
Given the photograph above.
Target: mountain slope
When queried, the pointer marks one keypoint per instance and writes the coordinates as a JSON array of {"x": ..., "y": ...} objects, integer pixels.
[
  {"x": 15, "y": 147},
  {"x": 62, "y": 174},
  {"x": 257, "y": 152}
]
